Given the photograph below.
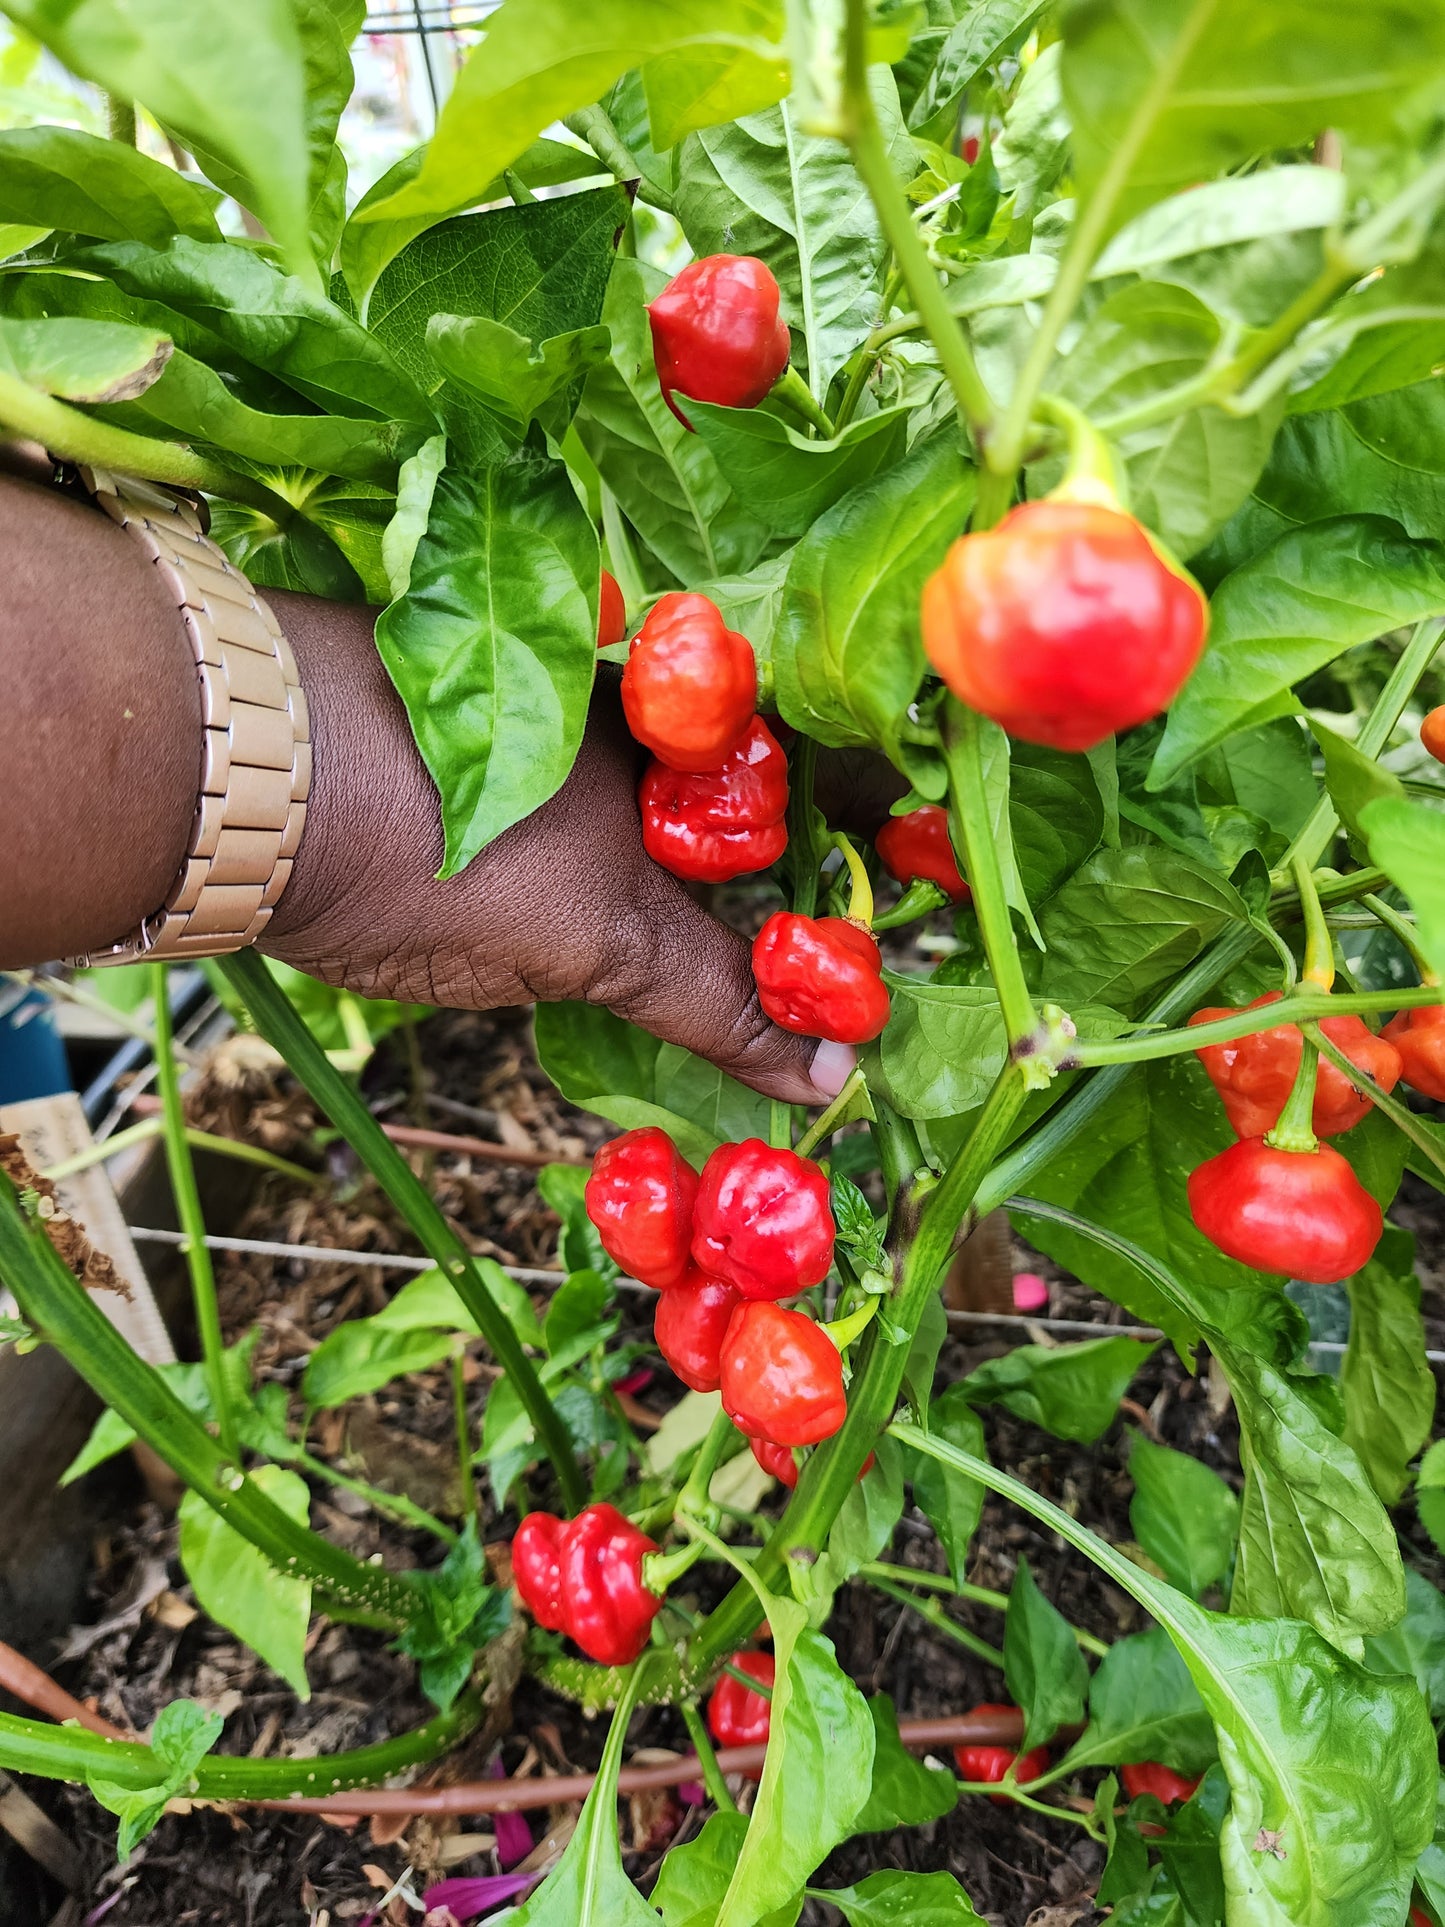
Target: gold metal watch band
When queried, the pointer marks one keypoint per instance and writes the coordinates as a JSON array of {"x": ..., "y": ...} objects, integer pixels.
[{"x": 255, "y": 774}]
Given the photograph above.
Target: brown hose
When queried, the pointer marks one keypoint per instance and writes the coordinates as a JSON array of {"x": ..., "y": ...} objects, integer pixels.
[{"x": 28, "y": 1684}]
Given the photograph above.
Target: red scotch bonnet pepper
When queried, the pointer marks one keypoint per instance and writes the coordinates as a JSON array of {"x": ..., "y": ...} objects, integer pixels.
[
  {"x": 1148, "y": 1776},
  {"x": 736, "y": 1717},
  {"x": 583, "y": 1577},
  {"x": 917, "y": 846},
  {"x": 782, "y": 1463},
  {"x": 1419, "y": 1037},
  {"x": 689, "y": 1326},
  {"x": 717, "y": 824},
  {"x": 640, "y": 1195},
  {"x": 763, "y": 1220},
  {"x": 690, "y": 686},
  {"x": 1254, "y": 1075},
  {"x": 716, "y": 333},
  {"x": 1063, "y": 624},
  {"x": 1299, "y": 1214},
  {"x": 611, "y": 612},
  {"x": 782, "y": 1377},
  {"x": 987, "y": 1764},
  {"x": 820, "y": 977}
]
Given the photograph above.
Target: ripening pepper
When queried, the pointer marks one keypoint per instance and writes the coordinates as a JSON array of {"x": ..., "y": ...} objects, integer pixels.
[
  {"x": 777, "y": 1460},
  {"x": 640, "y": 1196},
  {"x": 1063, "y": 624},
  {"x": 1254, "y": 1075},
  {"x": 763, "y": 1221},
  {"x": 990, "y": 1763},
  {"x": 736, "y": 1717},
  {"x": 1300, "y": 1214},
  {"x": 717, "y": 824},
  {"x": 1419, "y": 1036},
  {"x": 717, "y": 334},
  {"x": 916, "y": 845},
  {"x": 611, "y": 612},
  {"x": 537, "y": 1568},
  {"x": 1432, "y": 733},
  {"x": 782, "y": 1376},
  {"x": 583, "y": 1577},
  {"x": 1419, "y": 1918},
  {"x": 1148, "y": 1776},
  {"x": 820, "y": 977},
  {"x": 689, "y": 1325},
  {"x": 690, "y": 686}
]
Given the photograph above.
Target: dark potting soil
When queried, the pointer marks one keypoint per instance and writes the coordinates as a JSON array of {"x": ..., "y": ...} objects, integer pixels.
[{"x": 142, "y": 1643}]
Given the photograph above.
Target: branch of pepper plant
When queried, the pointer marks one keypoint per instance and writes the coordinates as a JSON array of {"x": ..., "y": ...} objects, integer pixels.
[{"x": 1298, "y": 1006}]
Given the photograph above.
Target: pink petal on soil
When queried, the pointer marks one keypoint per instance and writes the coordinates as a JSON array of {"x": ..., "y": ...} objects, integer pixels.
[
  {"x": 692, "y": 1793},
  {"x": 469, "y": 1899},
  {"x": 635, "y": 1381},
  {"x": 513, "y": 1833},
  {"x": 1030, "y": 1292}
]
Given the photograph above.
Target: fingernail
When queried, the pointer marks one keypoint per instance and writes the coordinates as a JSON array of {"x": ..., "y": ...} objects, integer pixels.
[{"x": 831, "y": 1068}]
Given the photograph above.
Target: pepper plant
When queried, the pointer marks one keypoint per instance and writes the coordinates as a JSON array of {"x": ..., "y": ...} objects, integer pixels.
[{"x": 1044, "y": 397}]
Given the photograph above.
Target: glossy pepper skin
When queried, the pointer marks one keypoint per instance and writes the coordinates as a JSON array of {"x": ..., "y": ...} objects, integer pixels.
[
  {"x": 1419, "y": 1036},
  {"x": 820, "y": 977},
  {"x": 1432, "y": 733},
  {"x": 1063, "y": 624},
  {"x": 611, "y": 612},
  {"x": 780, "y": 1462},
  {"x": 1299, "y": 1214},
  {"x": 723, "y": 823},
  {"x": 918, "y": 845},
  {"x": 537, "y": 1567},
  {"x": 782, "y": 1377},
  {"x": 640, "y": 1197},
  {"x": 1254, "y": 1075},
  {"x": 1148, "y": 1776},
  {"x": 763, "y": 1221},
  {"x": 736, "y": 1717},
  {"x": 690, "y": 685},
  {"x": 689, "y": 1326},
  {"x": 609, "y": 1609},
  {"x": 990, "y": 1763},
  {"x": 717, "y": 334}
]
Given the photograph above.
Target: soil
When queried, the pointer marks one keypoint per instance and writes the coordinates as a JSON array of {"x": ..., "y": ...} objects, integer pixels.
[{"x": 139, "y": 1641}]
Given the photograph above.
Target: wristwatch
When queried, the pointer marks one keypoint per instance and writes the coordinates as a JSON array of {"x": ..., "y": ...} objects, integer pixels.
[{"x": 255, "y": 763}]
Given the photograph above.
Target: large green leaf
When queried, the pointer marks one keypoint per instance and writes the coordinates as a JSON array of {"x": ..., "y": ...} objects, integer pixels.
[
  {"x": 1143, "y": 1705},
  {"x": 493, "y": 646},
  {"x": 1043, "y": 1667},
  {"x": 58, "y": 177},
  {"x": 846, "y": 651},
  {"x": 86, "y": 361},
  {"x": 781, "y": 476},
  {"x": 1314, "y": 1541},
  {"x": 1163, "y": 93},
  {"x": 666, "y": 480},
  {"x": 240, "y": 1587},
  {"x": 1183, "y": 1514},
  {"x": 1057, "y": 815},
  {"x": 1305, "y": 599},
  {"x": 904, "y": 1792},
  {"x": 952, "y": 1504},
  {"x": 893, "y": 1899},
  {"x": 265, "y": 317},
  {"x": 981, "y": 33},
  {"x": 761, "y": 186},
  {"x": 1388, "y": 1386},
  {"x": 298, "y": 556},
  {"x": 1408, "y": 842},
  {"x": 695, "y": 1876},
  {"x": 541, "y": 59},
  {"x": 1072, "y": 1391},
  {"x": 1386, "y": 334},
  {"x": 1417, "y": 1644},
  {"x": 513, "y": 380}
]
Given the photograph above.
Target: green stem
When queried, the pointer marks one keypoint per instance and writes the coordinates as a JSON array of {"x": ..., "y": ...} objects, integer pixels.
[
  {"x": 395, "y": 1504},
  {"x": 712, "y": 1779},
  {"x": 73, "y": 991},
  {"x": 193, "y": 1223},
  {"x": 972, "y": 827},
  {"x": 150, "y": 1127},
  {"x": 1400, "y": 1115},
  {"x": 795, "y": 395},
  {"x": 1294, "y": 1130},
  {"x": 899, "y": 1151},
  {"x": 76, "y": 437},
  {"x": 1404, "y": 934},
  {"x": 920, "y": 899},
  {"x": 979, "y": 1595},
  {"x": 805, "y": 850},
  {"x": 595, "y": 126},
  {"x": 54, "y": 1302},
  {"x": 70, "y": 1753},
  {"x": 940, "y": 1621},
  {"x": 470, "y": 1508},
  {"x": 121, "y": 117},
  {"x": 832, "y": 1470},
  {"x": 1319, "y": 969},
  {"x": 1298, "y": 1007},
  {"x": 870, "y": 158},
  {"x": 271, "y": 1012},
  {"x": 824, "y": 1126},
  {"x": 695, "y": 1495}
]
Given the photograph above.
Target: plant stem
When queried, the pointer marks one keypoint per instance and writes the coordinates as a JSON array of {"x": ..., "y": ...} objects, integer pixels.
[
  {"x": 695, "y": 1495},
  {"x": 278, "y": 1023},
  {"x": 1319, "y": 967},
  {"x": 71, "y": 991},
  {"x": 76, "y": 437},
  {"x": 971, "y": 825},
  {"x": 470, "y": 1508},
  {"x": 824, "y": 1126},
  {"x": 55, "y": 1304},
  {"x": 395, "y": 1504},
  {"x": 150, "y": 1127},
  {"x": 121, "y": 117},
  {"x": 940, "y": 1621},
  {"x": 1298, "y": 1007},
  {"x": 795, "y": 395},
  {"x": 979, "y": 1595},
  {"x": 193, "y": 1222},
  {"x": 595, "y": 126},
  {"x": 1400, "y": 1115},
  {"x": 1404, "y": 934},
  {"x": 1294, "y": 1130},
  {"x": 804, "y": 848},
  {"x": 712, "y": 1779},
  {"x": 920, "y": 899},
  {"x": 870, "y": 158}
]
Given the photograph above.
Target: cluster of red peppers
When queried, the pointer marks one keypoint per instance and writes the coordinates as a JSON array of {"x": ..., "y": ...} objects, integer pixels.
[{"x": 583, "y": 1577}]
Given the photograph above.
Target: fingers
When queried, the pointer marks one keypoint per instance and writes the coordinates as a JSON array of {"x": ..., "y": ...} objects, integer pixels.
[{"x": 677, "y": 972}]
